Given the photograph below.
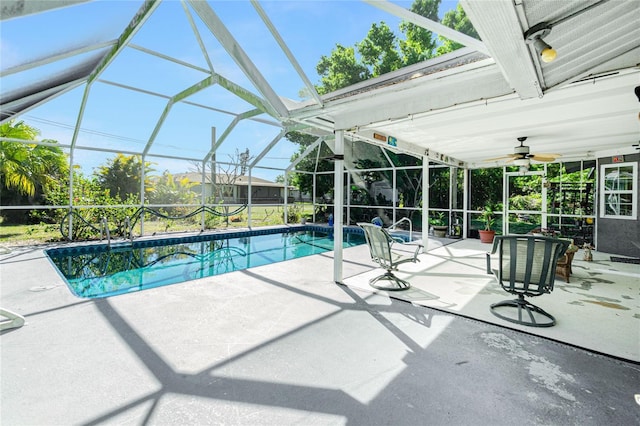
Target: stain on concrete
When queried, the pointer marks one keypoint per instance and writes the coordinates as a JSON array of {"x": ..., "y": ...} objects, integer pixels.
[
  {"x": 541, "y": 371},
  {"x": 43, "y": 287},
  {"x": 595, "y": 278},
  {"x": 607, "y": 304}
]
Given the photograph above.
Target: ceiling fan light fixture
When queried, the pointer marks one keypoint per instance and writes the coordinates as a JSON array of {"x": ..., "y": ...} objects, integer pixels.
[
  {"x": 534, "y": 36},
  {"x": 521, "y": 156}
]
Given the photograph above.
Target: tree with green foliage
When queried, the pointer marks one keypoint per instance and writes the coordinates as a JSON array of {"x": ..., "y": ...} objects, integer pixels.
[
  {"x": 486, "y": 188},
  {"x": 419, "y": 44},
  {"x": 27, "y": 170},
  {"x": 121, "y": 175},
  {"x": 382, "y": 51},
  {"x": 304, "y": 181},
  {"x": 339, "y": 70},
  {"x": 87, "y": 191},
  {"x": 379, "y": 50},
  {"x": 458, "y": 20},
  {"x": 439, "y": 184},
  {"x": 169, "y": 190}
]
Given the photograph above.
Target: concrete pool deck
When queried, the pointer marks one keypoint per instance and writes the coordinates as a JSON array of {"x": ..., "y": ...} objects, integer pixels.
[{"x": 284, "y": 344}]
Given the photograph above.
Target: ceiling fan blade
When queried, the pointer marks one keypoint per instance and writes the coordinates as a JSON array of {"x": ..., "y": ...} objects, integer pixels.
[
  {"x": 545, "y": 158},
  {"x": 547, "y": 154},
  {"x": 510, "y": 157}
]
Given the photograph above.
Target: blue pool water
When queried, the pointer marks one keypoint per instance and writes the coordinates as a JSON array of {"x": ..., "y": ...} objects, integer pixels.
[{"x": 95, "y": 271}]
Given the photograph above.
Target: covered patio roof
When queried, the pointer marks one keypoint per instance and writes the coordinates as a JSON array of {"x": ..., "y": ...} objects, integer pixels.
[
  {"x": 469, "y": 107},
  {"x": 461, "y": 108}
]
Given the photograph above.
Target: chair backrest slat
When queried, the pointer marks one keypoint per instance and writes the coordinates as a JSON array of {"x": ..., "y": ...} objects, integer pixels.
[
  {"x": 379, "y": 242},
  {"x": 527, "y": 264}
]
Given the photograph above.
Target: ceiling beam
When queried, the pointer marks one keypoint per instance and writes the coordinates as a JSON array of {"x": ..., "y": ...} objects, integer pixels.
[
  {"x": 134, "y": 26},
  {"x": 498, "y": 25},
  {"x": 233, "y": 48},
  {"x": 177, "y": 98},
  {"x": 16, "y": 8},
  {"x": 216, "y": 143},
  {"x": 168, "y": 58},
  {"x": 145, "y": 11},
  {"x": 306, "y": 152},
  {"x": 268, "y": 148},
  {"x": 245, "y": 94},
  {"x": 56, "y": 57},
  {"x": 196, "y": 33},
  {"x": 292, "y": 59},
  {"x": 428, "y": 24}
]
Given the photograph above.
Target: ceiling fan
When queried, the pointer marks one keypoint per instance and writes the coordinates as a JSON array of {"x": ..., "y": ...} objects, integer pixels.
[{"x": 522, "y": 157}]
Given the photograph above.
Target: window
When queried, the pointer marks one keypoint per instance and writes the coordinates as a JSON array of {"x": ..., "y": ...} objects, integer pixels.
[{"x": 618, "y": 198}]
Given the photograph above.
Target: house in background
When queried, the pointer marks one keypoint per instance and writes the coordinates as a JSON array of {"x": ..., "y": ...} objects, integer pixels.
[{"x": 234, "y": 189}]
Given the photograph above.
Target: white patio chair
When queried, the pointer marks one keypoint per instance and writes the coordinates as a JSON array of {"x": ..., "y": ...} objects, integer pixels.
[{"x": 380, "y": 242}]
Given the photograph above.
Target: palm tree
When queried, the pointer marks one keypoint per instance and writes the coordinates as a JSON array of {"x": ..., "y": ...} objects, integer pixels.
[
  {"x": 15, "y": 172},
  {"x": 27, "y": 169}
]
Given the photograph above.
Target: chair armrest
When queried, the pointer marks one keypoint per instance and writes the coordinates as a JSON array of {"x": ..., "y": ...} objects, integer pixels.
[
  {"x": 488, "y": 263},
  {"x": 494, "y": 248},
  {"x": 417, "y": 251},
  {"x": 405, "y": 255}
]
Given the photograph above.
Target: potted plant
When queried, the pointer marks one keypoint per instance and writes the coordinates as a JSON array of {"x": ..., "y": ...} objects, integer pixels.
[
  {"x": 439, "y": 225},
  {"x": 487, "y": 216}
]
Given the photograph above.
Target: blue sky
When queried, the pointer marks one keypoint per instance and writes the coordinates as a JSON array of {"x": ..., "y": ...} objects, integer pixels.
[{"x": 121, "y": 119}]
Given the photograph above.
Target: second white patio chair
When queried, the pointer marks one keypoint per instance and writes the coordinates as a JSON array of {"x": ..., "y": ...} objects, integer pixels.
[{"x": 380, "y": 243}]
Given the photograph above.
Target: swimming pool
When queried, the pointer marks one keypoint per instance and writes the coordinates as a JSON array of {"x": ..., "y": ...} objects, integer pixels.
[{"x": 95, "y": 271}]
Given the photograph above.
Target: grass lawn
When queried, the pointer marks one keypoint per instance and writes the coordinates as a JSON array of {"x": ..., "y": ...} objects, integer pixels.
[{"x": 17, "y": 235}]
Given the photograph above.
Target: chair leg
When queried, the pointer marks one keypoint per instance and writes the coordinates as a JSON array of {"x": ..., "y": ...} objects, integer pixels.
[
  {"x": 535, "y": 316},
  {"x": 564, "y": 272},
  {"x": 395, "y": 283}
]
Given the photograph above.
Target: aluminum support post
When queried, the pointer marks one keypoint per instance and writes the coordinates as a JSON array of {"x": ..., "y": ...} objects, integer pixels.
[{"x": 338, "y": 200}]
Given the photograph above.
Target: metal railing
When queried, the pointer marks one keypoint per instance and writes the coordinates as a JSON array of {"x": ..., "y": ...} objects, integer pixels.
[
  {"x": 404, "y": 219},
  {"x": 104, "y": 230},
  {"x": 126, "y": 229}
]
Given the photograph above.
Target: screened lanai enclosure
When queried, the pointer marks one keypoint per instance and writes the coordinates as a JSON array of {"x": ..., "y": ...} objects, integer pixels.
[{"x": 146, "y": 117}]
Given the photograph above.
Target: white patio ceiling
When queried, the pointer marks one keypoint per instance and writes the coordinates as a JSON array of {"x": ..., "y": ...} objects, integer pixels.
[{"x": 464, "y": 107}]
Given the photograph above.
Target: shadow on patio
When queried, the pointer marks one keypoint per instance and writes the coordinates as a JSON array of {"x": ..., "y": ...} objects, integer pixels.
[
  {"x": 279, "y": 344},
  {"x": 602, "y": 296}
]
